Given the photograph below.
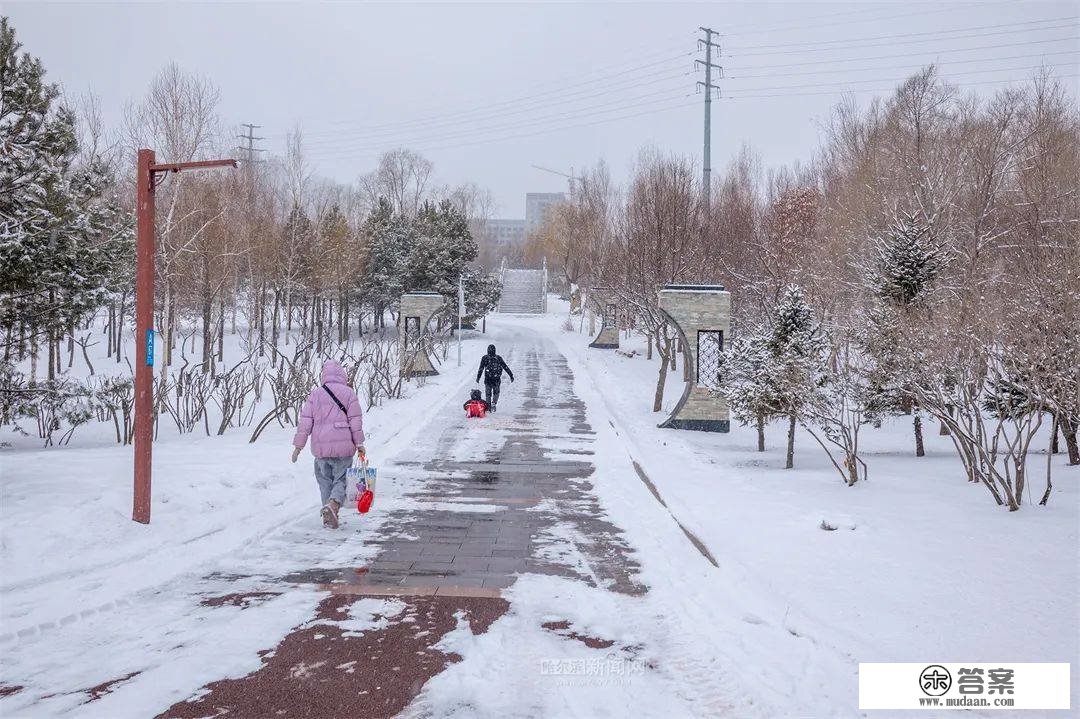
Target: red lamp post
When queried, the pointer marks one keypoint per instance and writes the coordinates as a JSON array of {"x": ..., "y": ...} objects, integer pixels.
[{"x": 147, "y": 173}]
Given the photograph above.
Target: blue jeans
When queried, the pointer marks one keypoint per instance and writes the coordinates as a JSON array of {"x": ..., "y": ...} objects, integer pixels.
[{"x": 330, "y": 474}]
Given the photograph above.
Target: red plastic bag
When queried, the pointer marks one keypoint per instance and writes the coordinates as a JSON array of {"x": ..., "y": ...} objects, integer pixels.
[{"x": 363, "y": 502}]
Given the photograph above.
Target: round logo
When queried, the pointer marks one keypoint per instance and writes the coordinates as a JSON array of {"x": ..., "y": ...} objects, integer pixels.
[{"x": 935, "y": 680}]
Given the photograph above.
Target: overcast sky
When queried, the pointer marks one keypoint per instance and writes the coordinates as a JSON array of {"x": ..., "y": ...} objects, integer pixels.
[{"x": 488, "y": 90}]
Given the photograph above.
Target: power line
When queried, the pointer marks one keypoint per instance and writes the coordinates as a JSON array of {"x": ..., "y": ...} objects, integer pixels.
[
  {"x": 1012, "y": 27},
  {"x": 877, "y": 79},
  {"x": 576, "y": 112},
  {"x": 899, "y": 67},
  {"x": 527, "y": 108},
  {"x": 493, "y": 140},
  {"x": 1065, "y": 26},
  {"x": 907, "y": 54},
  {"x": 536, "y": 133},
  {"x": 475, "y": 115},
  {"x": 739, "y": 96},
  {"x": 609, "y": 107},
  {"x": 683, "y": 57},
  {"x": 801, "y": 25}
]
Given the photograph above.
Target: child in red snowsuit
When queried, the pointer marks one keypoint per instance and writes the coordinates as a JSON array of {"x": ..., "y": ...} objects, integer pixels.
[{"x": 476, "y": 406}]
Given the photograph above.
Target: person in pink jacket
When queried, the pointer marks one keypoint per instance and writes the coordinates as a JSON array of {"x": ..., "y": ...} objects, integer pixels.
[{"x": 331, "y": 417}]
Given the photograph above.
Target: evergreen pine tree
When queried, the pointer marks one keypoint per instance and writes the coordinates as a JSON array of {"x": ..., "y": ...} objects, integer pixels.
[
  {"x": 391, "y": 242},
  {"x": 62, "y": 230},
  {"x": 776, "y": 367},
  {"x": 904, "y": 264}
]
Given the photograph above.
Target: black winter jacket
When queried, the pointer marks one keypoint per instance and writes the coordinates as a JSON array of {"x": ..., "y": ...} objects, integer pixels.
[{"x": 492, "y": 366}]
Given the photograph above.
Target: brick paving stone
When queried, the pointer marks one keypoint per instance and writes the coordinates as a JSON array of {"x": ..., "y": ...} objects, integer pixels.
[
  {"x": 516, "y": 553},
  {"x": 424, "y": 566},
  {"x": 506, "y": 564},
  {"x": 471, "y": 562},
  {"x": 439, "y": 550},
  {"x": 475, "y": 551}
]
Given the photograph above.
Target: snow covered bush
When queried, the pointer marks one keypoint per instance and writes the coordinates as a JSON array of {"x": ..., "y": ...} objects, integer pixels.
[
  {"x": 775, "y": 367},
  {"x": 835, "y": 410}
]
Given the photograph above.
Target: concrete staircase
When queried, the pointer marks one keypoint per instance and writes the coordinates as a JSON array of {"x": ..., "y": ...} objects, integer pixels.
[{"x": 523, "y": 291}]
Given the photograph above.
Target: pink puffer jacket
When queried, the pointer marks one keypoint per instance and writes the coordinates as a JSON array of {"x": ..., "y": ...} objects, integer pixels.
[{"x": 332, "y": 433}]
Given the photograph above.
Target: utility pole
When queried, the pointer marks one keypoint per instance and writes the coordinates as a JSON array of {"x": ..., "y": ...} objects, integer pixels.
[
  {"x": 708, "y": 44},
  {"x": 147, "y": 175}
]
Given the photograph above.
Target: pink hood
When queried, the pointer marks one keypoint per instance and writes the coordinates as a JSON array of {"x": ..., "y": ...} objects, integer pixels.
[{"x": 333, "y": 433}]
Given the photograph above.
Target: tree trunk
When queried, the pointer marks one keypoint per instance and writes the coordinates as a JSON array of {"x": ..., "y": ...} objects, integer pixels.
[
  {"x": 761, "y": 433},
  {"x": 943, "y": 429},
  {"x": 221, "y": 330},
  {"x": 207, "y": 334},
  {"x": 274, "y": 319},
  {"x": 1068, "y": 428},
  {"x": 853, "y": 470},
  {"x": 71, "y": 344},
  {"x": 51, "y": 373},
  {"x": 109, "y": 329},
  {"x": 1054, "y": 448},
  {"x": 33, "y": 358},
  {"x": 120, "y": 314},
  {"x": 919, "y": 450},
  {"x": 260, "y": 314},
  {"x": 1049, "y": 462},
  {"x": 790, "y": 443},
  {"x": 288, "y": 313},
  {"x": 658, "y": 398}
]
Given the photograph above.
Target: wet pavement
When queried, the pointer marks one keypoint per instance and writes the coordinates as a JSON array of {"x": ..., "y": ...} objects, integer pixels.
[{"x": 487, "y": 501}]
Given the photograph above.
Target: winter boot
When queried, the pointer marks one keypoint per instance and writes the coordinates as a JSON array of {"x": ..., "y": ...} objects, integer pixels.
[{"x": 330, "y": 514}]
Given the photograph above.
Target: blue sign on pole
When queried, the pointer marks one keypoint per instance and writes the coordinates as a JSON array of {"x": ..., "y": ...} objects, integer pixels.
[{"x": 150, "y": 348}]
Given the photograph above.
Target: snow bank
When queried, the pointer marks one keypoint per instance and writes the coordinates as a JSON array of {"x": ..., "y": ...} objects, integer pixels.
[{"x": 921, "y": 565}]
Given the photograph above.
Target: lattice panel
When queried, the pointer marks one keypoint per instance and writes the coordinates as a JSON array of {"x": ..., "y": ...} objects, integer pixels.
[
  {"x": 710, "y": 345},
  {"x": 412, "y": 331}
]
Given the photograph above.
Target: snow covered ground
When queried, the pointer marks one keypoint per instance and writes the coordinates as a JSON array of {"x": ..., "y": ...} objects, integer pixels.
[
  {"x": 922, "y": 567},
  {"x": 68, "y": 546}
]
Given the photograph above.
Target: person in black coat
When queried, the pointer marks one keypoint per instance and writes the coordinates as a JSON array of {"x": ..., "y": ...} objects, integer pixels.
[{"x": 492, "y": 366}]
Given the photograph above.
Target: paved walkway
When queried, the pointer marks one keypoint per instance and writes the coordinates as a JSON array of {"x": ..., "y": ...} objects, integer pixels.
[{"x": 491, "y": 500}]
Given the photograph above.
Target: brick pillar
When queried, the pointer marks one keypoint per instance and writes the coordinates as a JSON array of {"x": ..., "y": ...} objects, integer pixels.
[
  {"x": 417, "y": 309},
  {"x": 702, "y": 316}
]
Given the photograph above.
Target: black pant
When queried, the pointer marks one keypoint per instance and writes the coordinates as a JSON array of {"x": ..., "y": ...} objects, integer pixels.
[{"x": 491, "y": 392}]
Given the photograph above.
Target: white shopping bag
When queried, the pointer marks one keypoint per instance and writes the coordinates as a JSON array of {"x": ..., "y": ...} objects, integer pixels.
[{"x": 358, "y": 478}]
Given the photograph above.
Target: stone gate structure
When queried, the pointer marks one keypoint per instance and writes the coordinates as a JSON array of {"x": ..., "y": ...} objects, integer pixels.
[
  {"x": 702, "y": 316},
  {"x": 417, "y": 309}
]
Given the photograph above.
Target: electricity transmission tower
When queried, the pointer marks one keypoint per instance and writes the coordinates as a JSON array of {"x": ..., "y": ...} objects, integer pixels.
[
  {"x": 249, "y": 149},
  {"x": 248, "y": 157},
  {"x": 708, "y": 44}
]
